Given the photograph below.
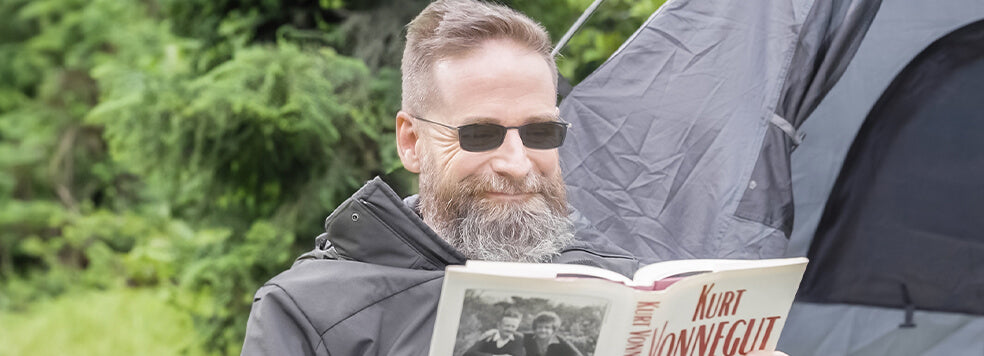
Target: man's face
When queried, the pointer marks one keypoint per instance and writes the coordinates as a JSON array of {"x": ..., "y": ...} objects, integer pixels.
[
  {"x": 499, "y": 83},
  {"x": 508, "y": 325},
  {"x": 543, "y": 331},
  {"x": 508, "y": 203}
]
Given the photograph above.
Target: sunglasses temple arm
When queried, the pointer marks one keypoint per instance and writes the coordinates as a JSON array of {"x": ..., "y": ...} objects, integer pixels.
[{"x": 435, "y": 123}]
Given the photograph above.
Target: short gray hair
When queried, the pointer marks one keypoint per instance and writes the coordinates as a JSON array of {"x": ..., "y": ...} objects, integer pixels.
[{"x": 448, "y": 28}]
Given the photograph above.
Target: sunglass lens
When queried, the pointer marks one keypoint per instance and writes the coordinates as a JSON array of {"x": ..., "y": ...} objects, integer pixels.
[
  {"x": 480, "y": 137},
  {"x": 544, "y": 135}
]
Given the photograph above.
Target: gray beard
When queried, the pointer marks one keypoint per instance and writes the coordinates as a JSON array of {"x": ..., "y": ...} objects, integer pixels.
[{"x": 534, "y": 230}]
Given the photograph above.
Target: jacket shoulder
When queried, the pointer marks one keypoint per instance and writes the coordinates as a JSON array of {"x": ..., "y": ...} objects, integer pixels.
[{"x": 330, "y": 291}]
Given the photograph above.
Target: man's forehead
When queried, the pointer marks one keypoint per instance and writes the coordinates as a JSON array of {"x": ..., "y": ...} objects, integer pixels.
[
  {"x": 490, "y": 62},
  {"x": 495, "y": 49}
]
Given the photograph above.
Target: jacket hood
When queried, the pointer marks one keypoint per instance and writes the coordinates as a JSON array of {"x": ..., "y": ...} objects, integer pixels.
[{"x": 376, "y": 226}]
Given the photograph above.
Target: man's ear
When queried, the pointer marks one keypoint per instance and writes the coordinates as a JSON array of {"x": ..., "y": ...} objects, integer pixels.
[{"x": 406, "y": 142}]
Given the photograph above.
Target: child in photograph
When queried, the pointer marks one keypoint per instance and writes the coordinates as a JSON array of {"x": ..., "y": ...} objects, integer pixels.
[
  {"x": 502, "y": 341},
  {"x": 544, "y": 340}
]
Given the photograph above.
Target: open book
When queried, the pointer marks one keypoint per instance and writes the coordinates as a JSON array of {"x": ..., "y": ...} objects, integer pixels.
[{"x": 685, "y": 308}]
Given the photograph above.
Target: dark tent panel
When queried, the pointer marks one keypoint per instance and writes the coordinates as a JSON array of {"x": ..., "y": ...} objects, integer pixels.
[
  {"x": 903, "y": 225},
  {"x": 828, "y": 40}
]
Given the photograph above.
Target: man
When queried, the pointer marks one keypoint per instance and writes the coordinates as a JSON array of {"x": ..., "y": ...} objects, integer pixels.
[
  {"x": 501, "y": 341},
  {"x": 480, "y": 126},
  {"x": 372, "y": 285},
  {"x": 544, "y": 340}
]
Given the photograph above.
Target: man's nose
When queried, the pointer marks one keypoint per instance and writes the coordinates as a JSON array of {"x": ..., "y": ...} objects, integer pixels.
[{"x": 511, "y": 158}]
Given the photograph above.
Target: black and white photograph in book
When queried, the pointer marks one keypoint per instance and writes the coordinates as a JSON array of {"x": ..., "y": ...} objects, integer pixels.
[{"x": 498, "y": 322}]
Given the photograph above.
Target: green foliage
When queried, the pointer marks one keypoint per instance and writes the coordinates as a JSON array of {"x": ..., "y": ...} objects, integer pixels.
[
  {"x": 373, "y": 30},
  {"x": 134, "y": 153},
  {"x": 52, "y": 166},
  {"x": 121, "y": 322},
  {"x": 97, "y": 250},
  {"x": 225, "y": 26},
  {"x": 224, "y": 271},
  {"x": 251, "y": 138}
]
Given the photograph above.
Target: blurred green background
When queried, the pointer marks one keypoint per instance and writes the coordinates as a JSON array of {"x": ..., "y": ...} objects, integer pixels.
[{"x": 160, "y": 159}]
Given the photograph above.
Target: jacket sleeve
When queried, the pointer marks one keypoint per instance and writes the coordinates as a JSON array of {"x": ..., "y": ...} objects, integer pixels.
[{"x": 277, "y": 326}]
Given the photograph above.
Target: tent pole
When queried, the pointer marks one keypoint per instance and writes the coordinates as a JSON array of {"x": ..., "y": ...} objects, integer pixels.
[{"x": 577, "y": 25}]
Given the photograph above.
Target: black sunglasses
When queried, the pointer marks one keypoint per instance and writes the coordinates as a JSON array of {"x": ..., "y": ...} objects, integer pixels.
[{"x": 486, "y": 137}]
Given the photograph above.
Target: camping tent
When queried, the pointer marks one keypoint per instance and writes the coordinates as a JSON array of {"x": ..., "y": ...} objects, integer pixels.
[{"x": 689, "y": 143}]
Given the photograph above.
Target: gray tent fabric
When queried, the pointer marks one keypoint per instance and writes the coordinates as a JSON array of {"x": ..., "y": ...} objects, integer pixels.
[
  {"x": 680, "y": 140},
  {"x": 829, "y": 37},
  {"x": 837, "y": 329},
  {"x": 828, "y": 41},
  {"x": 669, "y": 130},
  {"x": 899, "y": 33}
]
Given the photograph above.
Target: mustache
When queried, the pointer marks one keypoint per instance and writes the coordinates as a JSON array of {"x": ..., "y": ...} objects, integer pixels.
[{"x": 530, "y": 184}]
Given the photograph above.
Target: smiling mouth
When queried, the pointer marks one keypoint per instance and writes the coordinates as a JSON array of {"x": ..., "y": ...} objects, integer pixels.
[{"x": 508, "y": 196}]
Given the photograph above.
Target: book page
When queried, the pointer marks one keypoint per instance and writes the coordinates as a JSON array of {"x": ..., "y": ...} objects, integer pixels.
[
  {"x": 474, "y": 307},
  {"x": 649, "y": 274},
  {"x": 543, "y": 270}
]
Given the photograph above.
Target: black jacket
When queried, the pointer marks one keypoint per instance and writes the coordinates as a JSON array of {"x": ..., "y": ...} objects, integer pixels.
[{"x": 372, "y": 283}]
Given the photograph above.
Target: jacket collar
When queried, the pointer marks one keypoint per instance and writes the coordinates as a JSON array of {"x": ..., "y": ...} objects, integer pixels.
[{"x": 376, "y": 226}]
